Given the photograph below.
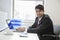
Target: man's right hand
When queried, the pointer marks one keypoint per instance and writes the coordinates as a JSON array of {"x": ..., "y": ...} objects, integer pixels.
[{"x": 21, "y": 29}]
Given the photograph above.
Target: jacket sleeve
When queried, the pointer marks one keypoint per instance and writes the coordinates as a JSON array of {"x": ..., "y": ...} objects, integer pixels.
[
  {"x": 34, "y": 25},
  {"x": 39, "y": 29}
]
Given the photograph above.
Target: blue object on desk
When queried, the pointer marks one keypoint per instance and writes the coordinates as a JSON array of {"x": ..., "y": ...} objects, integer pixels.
[
  {"x": 10, "y": 25},
  {"x": 14, "y": 23}
]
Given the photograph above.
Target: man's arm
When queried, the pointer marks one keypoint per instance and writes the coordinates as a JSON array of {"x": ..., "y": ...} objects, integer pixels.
[
  {"x": 39, "y": 29},
  {"x": 35, "y": 23}
]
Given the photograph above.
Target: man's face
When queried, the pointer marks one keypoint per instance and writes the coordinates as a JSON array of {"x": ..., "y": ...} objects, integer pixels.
[{"x": 39, "y": 12}]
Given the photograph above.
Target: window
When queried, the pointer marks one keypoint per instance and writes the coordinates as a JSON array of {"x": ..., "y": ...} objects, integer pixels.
[{"x": 25, "y": 10}]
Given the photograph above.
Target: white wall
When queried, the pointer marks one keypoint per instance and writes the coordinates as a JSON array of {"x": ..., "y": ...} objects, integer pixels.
[
  {"x": 6, "y": 6},
  {"x": 52, "y": 7}
]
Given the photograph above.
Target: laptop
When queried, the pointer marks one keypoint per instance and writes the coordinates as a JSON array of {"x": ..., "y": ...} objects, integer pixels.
[{"x": 13, "y": 24}]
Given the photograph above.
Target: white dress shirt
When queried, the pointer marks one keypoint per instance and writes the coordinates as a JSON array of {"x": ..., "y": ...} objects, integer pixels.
[{"x": 39, "y": 19}]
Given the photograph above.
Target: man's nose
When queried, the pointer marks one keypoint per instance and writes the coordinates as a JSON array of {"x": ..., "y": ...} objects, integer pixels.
[{"x": 38, "y": 13}]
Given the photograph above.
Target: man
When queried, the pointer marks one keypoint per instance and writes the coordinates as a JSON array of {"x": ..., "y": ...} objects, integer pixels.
[{"x": 42, "y": 25}]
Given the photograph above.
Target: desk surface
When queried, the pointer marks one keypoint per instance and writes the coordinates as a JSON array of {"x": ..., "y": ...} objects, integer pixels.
[{"x": 16, "y": 36}]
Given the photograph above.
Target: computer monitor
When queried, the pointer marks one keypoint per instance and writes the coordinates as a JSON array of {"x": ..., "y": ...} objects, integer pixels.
[{"x": 3, "y": 18}]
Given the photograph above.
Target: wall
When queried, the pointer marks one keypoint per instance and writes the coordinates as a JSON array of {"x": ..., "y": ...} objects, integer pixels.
[
  {"x": 52, "y": 7},
  {"x": 6, "y": 6}
]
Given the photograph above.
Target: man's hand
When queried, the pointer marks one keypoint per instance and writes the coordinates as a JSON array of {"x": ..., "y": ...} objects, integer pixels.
[{"x": 21, "y": 29}]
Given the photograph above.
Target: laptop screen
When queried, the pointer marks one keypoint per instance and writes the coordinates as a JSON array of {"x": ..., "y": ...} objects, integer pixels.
[{"x": 14, "y": 23}]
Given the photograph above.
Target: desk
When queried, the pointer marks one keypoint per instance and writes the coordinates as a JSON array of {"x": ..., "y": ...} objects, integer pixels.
[{"x": 16, "y": 36}]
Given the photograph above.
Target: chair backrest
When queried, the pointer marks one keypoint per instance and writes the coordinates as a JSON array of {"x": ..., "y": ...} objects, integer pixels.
[{"x": 56, "y": 29}]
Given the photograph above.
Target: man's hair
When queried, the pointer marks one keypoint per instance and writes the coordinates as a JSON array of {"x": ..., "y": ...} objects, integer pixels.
[{"x": 40, "y": 7}]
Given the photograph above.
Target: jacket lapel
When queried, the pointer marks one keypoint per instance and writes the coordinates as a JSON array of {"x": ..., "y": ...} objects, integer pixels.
[{"x": 41, "y": 20}]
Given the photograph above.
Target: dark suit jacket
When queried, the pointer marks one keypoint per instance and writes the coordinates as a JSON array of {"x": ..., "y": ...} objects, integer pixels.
[{"x": 45, "y": 26}]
